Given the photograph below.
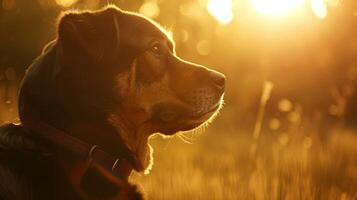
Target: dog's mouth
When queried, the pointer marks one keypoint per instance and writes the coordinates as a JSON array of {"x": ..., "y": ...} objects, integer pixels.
[
  {"x": 173, "y": 119},
  {"x": 210, "y": 111},
  {"x": 198, "y": 119}
]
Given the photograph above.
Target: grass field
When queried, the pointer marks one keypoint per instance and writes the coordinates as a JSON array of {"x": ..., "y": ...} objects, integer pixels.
[
  {"x": 231, "y": 165},
  {"x": 225, "y": 163}
]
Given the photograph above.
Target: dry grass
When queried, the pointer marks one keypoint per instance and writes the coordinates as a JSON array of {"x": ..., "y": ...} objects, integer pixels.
[
  {"x": 294, "y": 163},
  {"x": 231, "y": 165}
]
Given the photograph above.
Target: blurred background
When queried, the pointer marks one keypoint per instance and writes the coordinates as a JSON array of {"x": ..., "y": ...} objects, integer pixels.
[{"x": 289, "y": 126}]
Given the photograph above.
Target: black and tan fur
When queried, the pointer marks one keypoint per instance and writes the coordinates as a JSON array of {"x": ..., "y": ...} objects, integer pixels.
[{"x": 110, "y": 78}]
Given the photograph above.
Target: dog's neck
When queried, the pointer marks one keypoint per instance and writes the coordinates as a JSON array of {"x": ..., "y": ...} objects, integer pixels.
[
  {"x": 117, "y": 136},
  {"x": 135, "y": 138}
]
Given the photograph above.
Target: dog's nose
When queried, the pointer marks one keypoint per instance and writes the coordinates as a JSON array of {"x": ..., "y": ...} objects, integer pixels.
[{"x": 218, "y": 79}]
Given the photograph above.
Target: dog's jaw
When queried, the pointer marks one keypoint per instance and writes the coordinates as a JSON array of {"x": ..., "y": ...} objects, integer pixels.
[{"x": 136, "y": 140}]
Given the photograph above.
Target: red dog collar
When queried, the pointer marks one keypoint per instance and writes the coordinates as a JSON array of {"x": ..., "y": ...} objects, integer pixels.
[{"x": 117, "y": 166}]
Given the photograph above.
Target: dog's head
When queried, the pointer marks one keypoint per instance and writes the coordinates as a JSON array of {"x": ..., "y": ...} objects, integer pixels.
[
  {"x": 113, "y": 72},
  {"x": 129, "y": 62}
]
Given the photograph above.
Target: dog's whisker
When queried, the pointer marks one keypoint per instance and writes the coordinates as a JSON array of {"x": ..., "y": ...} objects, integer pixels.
[
  {"x": 168, "y": 143},
  {"x": 183, "y": 135},
  {"x": 183, "y": 138}
]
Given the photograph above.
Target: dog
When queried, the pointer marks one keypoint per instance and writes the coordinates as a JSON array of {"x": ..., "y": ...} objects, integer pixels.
[{"x": 90, "y": 102}]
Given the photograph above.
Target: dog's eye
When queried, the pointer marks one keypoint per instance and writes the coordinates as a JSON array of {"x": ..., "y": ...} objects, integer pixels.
[{"x": 157, "y": 49}]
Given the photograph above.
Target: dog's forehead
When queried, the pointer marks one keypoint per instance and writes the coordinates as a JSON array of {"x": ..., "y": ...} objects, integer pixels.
[{"x": 147, "y": 27}]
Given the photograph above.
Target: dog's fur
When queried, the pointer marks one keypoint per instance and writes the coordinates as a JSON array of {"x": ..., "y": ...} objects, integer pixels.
[{"x": 111, "y": 78}]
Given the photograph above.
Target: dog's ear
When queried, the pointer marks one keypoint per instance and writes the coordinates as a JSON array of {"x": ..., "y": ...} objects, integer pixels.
[{"x": 95, "y": 35}]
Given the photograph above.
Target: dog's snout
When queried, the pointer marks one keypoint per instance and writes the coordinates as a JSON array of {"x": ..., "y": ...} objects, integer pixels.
[{"x": 218, "y": 79}]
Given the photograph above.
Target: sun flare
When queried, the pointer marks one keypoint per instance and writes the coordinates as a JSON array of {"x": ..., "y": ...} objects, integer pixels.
[
  {"x": 319, "y": 8},
  {"x": 221, "y": 10},
  {"x": 276, "y": 7},
  {"x": 66, "y": 3}
]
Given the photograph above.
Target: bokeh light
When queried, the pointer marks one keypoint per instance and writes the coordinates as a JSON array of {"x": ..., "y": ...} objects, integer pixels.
[
  {"x": 285, "y": 105},
  {"x": 276, "y": 7},
  {"x": 294, "y": 117},
  {"x": 203, "y": 47},
  {"x": 150, "y": 9},
  {"x": 283, "y": 139},
  {"x": 66, "y": 3},
  {"x": 319, "y": 8},
  {"x": 191, "y": 9},
  {"x": 221, "y": 10},
  {"x": 274, "y": 124}
]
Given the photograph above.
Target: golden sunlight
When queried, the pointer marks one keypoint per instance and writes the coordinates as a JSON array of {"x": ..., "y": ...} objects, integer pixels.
[
  {"x": 150, "y": 9},
  {"x": 66, "y": 3},
  {"x": 221, "y": 10},
  {"x": 319, "y": 8},
  {"x": 276, "y": 7}
]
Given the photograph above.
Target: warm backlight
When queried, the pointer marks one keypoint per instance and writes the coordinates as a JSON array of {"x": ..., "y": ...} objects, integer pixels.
[
  {"x": 319, "y": 8},
  {"x": 66, "y": 3},
  {"x": 276, "y": 7},
  {"x": 221, "y": 10}
]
